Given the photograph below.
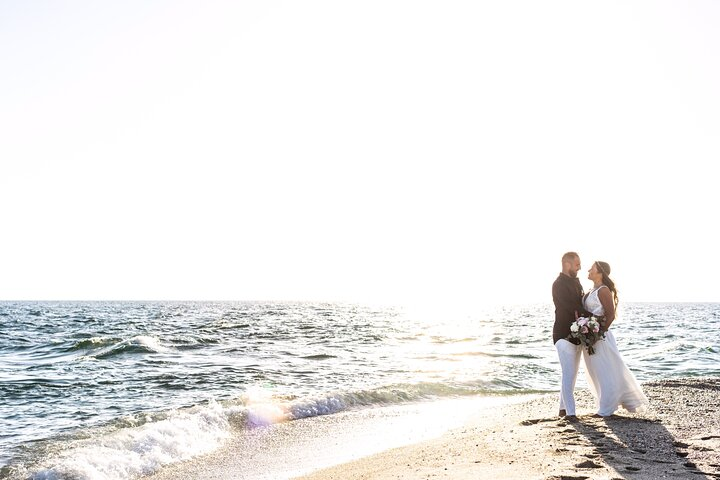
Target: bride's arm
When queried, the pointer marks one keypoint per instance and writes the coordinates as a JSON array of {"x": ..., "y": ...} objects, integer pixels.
[{"x": 606, "y": 299}]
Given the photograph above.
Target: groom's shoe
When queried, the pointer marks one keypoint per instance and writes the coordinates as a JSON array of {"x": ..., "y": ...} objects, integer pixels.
[
  {"x": 562, "y": 413},
  {"x": 571, "y": 418}
]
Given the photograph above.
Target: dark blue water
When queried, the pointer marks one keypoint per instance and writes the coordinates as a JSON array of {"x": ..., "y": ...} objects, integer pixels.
[{"x": 88, "y": 386}]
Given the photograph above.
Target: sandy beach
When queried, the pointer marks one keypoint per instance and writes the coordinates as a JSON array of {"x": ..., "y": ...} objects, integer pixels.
[{"x": 677, "y": 437}]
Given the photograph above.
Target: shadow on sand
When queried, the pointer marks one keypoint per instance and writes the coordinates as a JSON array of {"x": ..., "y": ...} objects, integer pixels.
[
  {"x": 634, "y": 447},
  {"x": 640, "y": 446}
]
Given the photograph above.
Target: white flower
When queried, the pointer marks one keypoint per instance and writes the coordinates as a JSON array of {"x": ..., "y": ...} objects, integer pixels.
[{"x": 574, "y": 327}]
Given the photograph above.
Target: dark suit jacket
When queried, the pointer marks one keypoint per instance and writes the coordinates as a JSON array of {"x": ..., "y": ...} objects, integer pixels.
[{"x": 567, "y": 296}]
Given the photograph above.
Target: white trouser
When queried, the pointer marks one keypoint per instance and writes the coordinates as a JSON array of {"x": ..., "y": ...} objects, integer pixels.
[{"x": 569, "y": 355}]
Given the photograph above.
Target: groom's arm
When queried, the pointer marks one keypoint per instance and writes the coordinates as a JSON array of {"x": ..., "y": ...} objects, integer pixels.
[{"x": 566, "y": 300}]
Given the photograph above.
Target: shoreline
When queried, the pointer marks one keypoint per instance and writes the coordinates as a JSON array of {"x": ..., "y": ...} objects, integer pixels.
[
  {"x": 514, "y": 438},
  {"x": 286, "y": 450},
  {"x": 678, "y": 436}
]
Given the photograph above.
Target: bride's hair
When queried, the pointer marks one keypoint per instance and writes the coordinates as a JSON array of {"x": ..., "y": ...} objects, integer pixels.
[{"x": 604, "y": 269}]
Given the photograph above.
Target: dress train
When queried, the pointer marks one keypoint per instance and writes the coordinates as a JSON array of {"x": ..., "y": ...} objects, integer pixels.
[{"x": 610, "y": 380}]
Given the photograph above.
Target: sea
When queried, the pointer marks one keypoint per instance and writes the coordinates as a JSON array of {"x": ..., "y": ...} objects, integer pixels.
[{"x": 119, "y": 390}]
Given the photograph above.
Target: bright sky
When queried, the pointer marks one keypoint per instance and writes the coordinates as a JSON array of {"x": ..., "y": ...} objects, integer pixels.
[{"x": 384, "y": 151}]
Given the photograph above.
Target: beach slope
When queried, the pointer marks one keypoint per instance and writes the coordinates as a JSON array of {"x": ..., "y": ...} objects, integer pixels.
[{"x": 677, "y": 437}]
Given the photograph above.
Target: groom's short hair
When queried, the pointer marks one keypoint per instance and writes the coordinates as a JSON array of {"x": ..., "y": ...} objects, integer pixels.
[{"x": 569, "y": 257}]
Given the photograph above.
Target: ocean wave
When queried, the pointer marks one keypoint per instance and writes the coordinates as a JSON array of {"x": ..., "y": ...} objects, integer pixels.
[
  {"x": 262, "y": 408},
  {"x": 141, "y": 444},
  {"x": 443, "y": 340},
  {"x": 137, "y": 344},
  {"x": 92, "y": 343},
  {"x": 663, "y": 350},
  {"x": 232, "y": 326},
  {"x": 134, "y": 451},
  {"x": 319, "y": 356},
  {"x": 495, "y": 355}
]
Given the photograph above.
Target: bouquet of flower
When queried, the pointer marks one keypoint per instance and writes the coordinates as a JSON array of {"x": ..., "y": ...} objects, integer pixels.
[{"x": 587, "y": 330}]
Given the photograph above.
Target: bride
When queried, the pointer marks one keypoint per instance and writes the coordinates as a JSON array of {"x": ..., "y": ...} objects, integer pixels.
[{"x": 612, "y": 383}]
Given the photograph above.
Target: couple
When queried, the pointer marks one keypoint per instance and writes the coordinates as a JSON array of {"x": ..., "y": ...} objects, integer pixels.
[{"x": 611, "y": 382}]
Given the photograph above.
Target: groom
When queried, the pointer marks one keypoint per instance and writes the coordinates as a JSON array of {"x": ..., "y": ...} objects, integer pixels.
[{"x": 567, "y": 296}]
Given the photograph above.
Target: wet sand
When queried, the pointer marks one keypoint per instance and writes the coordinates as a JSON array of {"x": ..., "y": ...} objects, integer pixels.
[
  {"x": 677, "y": 437},
  {"x": 290, "y": 449}
]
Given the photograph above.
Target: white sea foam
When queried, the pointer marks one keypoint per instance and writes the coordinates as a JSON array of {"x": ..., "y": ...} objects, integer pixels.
[
  {"x": 179, "y": 435},
  {"x": 149, "y": 342},
  {"x": 261, "y": 408},
  {"x": 141, "y": 450}
]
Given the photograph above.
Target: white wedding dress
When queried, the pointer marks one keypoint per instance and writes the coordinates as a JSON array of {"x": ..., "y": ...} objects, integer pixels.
[{"x": 611, "y": 382}]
